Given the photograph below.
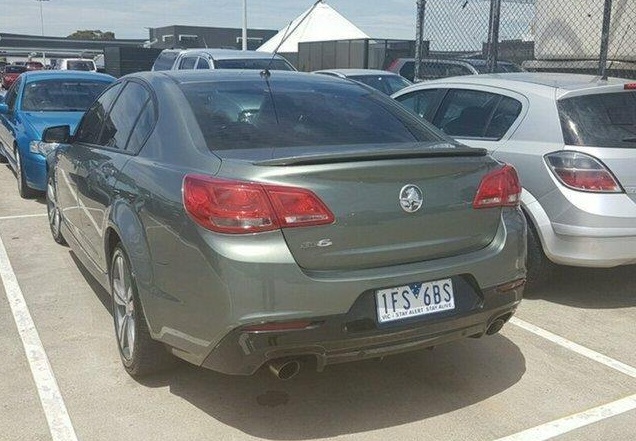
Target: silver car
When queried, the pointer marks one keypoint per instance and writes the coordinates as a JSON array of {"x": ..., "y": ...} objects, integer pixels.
[{"x": 573, "y": 140}]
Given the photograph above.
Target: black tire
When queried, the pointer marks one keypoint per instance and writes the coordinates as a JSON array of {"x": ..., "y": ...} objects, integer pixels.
[
  {"x": 144, "y": 356},
  {"x": 539, "y": 267},
  {"x": 25, "y": 191},
  {"x": 53, "y": 212}
]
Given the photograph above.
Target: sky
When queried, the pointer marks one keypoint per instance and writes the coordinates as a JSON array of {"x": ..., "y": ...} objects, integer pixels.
[{"x": 450, "y": 24}]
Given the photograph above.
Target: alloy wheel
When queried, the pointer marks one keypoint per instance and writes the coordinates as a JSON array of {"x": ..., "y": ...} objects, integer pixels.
[{"x": 124, "y": 307}]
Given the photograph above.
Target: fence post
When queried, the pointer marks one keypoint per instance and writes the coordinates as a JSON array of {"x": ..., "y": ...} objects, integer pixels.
[
  {"x": 419, "y": 36},
  {"x": 493, "y": 34},
  {"x": 605, "y": 35}
]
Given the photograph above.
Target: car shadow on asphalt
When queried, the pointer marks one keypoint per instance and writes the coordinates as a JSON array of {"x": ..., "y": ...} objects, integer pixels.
[
  {"x": 102, "y": 295},
  {"x": 592, "y": 288},
  {"x": 354, "y": 397}
]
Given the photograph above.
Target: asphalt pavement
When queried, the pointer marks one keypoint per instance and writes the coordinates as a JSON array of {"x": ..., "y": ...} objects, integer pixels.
[{"x": 564, "y": 368}]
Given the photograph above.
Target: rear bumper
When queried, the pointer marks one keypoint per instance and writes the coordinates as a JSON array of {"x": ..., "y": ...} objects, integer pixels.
[{"x": 357, "y": 335}]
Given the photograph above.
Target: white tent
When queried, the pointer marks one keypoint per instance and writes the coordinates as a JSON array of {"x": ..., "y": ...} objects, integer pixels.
[{"x": 323, "y": 23}]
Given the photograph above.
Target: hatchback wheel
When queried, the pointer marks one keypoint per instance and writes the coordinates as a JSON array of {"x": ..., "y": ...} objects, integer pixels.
[
  {"x": 539, "y": 267},
  {"x": 140, "y": 354},
  {"x": 23, "y": 188},
  {"x": 55, "y": 216}
]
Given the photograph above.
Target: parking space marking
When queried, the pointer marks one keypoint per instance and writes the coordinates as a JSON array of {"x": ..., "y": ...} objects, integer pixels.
[
  {"x": 57, "y": 417},
  {"x": 573, "y": 422},
  {"x": 574, "y": 347},
  {"x": 22, "y": 216}
]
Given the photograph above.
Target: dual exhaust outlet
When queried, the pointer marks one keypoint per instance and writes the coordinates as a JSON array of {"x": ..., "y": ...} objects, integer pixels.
[{"x": 288, "y": 368}]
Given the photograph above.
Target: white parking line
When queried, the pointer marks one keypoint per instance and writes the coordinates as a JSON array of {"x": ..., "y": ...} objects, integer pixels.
[
  {"x": 573, "y": 422},
  {"x": 564, "y": 425},
  {"x": 22, "y": 216},
  {"x": 574, "y": 347},
  {"x": 55, "y": 411}
]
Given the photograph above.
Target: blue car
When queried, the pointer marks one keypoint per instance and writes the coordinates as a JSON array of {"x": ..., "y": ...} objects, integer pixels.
[{"x": 37, "y": 100}]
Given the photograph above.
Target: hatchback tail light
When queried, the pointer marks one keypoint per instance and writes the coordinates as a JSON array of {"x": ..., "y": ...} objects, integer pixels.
[
  {"x": 237, "y": 207},
  {"x": 583, "y": 172},
  {"x": 499, "y": 188}
]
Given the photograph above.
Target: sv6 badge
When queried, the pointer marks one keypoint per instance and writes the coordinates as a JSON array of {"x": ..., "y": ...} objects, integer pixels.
[{"x": 320, "y": 244}]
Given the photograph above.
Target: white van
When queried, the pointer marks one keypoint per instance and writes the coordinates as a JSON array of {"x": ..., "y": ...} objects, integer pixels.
[{"x": 85, "y": 64}]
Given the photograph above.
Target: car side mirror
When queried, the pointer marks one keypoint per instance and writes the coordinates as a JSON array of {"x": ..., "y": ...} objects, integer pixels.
[
  {"x": 57, "y": 134},
  {"x": 4, "y": 108}
]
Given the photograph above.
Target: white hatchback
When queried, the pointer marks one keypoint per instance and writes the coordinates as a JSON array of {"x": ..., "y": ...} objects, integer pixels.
[{"x": 572, "y": 139}]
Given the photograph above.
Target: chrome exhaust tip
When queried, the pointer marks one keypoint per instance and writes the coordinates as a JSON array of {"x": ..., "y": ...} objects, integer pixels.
[{"x": 284, "y": 369}]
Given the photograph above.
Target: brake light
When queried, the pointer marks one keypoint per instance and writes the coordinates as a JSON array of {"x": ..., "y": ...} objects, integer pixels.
[
  {"x": 238, "y": 207},
  {"x": 499, "y": 188},
  {"x": 630, "y": 86},
  {"x": 583, "y": 172}
]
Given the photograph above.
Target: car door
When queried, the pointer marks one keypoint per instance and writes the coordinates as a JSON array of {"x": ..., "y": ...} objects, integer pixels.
[
  {"x": 72, "y": 160},
  {"x": 11, "y": 124},
  {"x": 99, "y": 167}
]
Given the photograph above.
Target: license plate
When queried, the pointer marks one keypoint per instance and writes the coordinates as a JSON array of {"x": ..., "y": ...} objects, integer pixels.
[{"x": 416, "y": 299}]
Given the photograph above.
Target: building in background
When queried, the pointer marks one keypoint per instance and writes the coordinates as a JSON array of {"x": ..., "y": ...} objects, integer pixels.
[{"x": 185, "y": 37}]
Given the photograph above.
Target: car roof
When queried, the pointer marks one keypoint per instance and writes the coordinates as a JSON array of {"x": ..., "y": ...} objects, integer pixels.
[
  {"x": 356, "y": 72},
  {"x": 36, "y": 75},
  {"x": 471, "y": 61},
  {"x": 228, "y": 54},
  {"x": 545, "y": 83},
  {"x": 194, "y": 76}
]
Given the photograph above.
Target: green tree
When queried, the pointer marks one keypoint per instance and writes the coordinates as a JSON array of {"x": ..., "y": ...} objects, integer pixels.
[{"x": 92, "y": 35}]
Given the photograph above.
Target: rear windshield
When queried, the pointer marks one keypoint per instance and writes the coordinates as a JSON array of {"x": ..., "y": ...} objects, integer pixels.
[
  {"x": 265, "y": 63},
  {"x": 15, "y": 69},
  {"x": 240, "y": 115},
  {"x": 388, "y": 84},
  {"x": 80, "y": 65},
  {"x": 603, "y": 120},
  {"x": 165, "y": 60},
  {"x": 61, "y": 95}
]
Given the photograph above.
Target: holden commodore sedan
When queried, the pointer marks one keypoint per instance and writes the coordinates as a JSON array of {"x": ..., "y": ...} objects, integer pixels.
[
  {"x": 573, "y": 140},
  {"x": 38, "y": 99},
  {"x": 243, "y": 219}
]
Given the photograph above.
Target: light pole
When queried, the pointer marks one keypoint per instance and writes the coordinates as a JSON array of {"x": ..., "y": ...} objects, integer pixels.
[
  {"x": 244, "y": 25},
  {"x": 42, "y": 24},
  {"x": 41, "y": 14}
]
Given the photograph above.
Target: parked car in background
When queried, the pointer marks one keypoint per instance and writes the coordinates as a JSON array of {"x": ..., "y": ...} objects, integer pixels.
[
  {"x": 10, "y": 73},
  {"x": 434, "y": 68},
  {"x": 36, "y": 100},
  {"x": 573, "y": 141},
  {"x": 172, "y": 59},
  {"x": 85, "y": 64},
  {"x": 285, "y": 207},
  {"x": 381, "y": 80},
  {"x": 34, "y": 65}
]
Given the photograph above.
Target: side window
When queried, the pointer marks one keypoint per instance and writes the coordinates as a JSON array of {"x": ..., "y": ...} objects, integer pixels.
[
  {"x": 506, "y": 114},
  {"x": 429, "y": 70},
  {"x": 91, "y": 125},
  {"x": 420, "y": 102},
  {"x": 123, "y": 115},
  {"x": 12, "y": 94},
  {"x": 466, "y": 113},
  {"x": 143, "y": 127},
  {"x": 408, "y": 70},
  {"x": 187, "y": 63},
  {"x": 203, "y": 64}
]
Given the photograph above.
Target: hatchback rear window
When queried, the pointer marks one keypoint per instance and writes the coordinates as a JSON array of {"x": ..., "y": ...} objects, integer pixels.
[
  {"x": 602, "y": 120},
  {"x": 243, "y": 115}
]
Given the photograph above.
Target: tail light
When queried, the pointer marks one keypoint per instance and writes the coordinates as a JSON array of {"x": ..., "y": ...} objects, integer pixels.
[
  {"x": 583, "y": 172},
  {"x": 499, "y": 188},
  {"x": 237, "y": 207}
]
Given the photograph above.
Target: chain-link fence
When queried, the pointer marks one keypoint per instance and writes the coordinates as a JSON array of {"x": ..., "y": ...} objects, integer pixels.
[{"x": 577, "y": 36}]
